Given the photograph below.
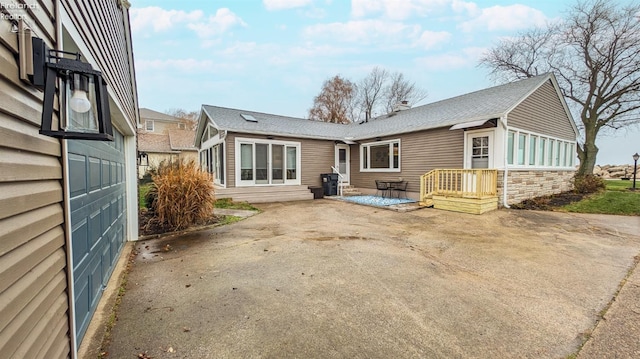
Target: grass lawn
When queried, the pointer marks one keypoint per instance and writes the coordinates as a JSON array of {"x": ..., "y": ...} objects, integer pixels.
[
  {"x": 616, "y": 199},
  {"x": 142, "y": 191}
]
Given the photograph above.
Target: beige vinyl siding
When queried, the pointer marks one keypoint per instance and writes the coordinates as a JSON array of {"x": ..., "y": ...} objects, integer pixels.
[
  {"x": 420, "y": 152},
  {"x": 34, "y": 306},
  {"x": 317, "y": 157},
  {"x": 542, "y": 113},
  {"x": 101, "y": 25}
]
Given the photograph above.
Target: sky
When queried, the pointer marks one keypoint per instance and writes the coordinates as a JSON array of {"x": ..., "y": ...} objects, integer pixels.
[{"x": 273, "y": 56}]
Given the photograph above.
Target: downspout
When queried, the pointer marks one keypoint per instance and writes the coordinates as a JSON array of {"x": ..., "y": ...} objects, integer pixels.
[{"x": 504, "y": 175}]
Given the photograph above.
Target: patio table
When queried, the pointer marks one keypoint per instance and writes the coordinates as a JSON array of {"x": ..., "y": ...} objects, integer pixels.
[{"x": 390, "y": 186}]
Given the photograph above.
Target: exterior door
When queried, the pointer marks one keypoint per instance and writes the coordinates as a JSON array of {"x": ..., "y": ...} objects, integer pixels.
[
  {"x": 480, "y": 150},
  {"x": 342, "y": 161},
  {"x": 98, "y": 219}
]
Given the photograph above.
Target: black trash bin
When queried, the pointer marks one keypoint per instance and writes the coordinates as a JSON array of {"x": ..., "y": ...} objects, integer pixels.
[{"x": 330, "y": 184}]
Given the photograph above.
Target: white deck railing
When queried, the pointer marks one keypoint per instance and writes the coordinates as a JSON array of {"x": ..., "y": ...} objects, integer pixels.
[{"x": 340, "y": 178}]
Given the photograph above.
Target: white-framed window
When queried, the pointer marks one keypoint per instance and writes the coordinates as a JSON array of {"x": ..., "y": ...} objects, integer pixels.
[
  {"x": 212, "y": 160},
  {"x": 533, "y": 148},
  {"x": 525, "y": 149},
  {"x": 522, "y": 145},
  {"x": 149, "y": 125},
  {"x": 267, "y": 162},
  {"x": 510, "y": 146},
  {"x": 542, "y": 152},
  {"x": 380, "y": 156}
]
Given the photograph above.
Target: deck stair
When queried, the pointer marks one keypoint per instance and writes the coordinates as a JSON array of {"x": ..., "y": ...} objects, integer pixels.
[
  {"x": 349, "y": 190},
  {"x": 263, "y": 194},
  {"x": 460, "y": 190}
]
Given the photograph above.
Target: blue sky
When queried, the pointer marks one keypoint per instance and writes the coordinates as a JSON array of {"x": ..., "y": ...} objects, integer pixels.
[{"x": 273, "y": 55}]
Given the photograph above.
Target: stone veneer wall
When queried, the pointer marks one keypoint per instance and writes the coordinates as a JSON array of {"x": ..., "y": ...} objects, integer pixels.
[{"x": 525, "y": 184}]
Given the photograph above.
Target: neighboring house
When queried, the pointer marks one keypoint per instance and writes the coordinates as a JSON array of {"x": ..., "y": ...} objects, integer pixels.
[
  {"x": 522, "y": 129},
  {"x": 67, "y": 207},
  {"x": 163, "y": 138}
]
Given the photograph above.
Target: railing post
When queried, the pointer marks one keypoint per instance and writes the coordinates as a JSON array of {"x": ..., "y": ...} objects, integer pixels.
[{"x": 423, "y": 194}]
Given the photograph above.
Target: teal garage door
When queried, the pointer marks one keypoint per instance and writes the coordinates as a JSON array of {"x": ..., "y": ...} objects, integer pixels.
[{"x": 98, "y": 219}]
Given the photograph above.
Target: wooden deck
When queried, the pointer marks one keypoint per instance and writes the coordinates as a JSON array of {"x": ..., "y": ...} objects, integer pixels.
[{"x": 460, "y": 190}]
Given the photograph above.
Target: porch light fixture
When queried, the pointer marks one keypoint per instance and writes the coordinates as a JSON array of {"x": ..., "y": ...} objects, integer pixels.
[
  {"x": 143, "y": 159},
  {"x": 84, "y": 104}
]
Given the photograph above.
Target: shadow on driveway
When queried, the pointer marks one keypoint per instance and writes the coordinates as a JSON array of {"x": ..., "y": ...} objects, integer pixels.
[{"x": 327, "y": 279}]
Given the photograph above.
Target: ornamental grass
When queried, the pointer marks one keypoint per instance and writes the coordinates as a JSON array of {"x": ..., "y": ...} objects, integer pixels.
[{"x": 182, "y": 195}]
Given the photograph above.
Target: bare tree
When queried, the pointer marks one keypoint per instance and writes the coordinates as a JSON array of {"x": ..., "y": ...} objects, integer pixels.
[
  {"x": 189, "y": 118},
  {"x": 595, "y": 54},
  {"x": 399, "y": 89},
  {"x": 370, "y": 91},
  {"x": 333, "y": 104}
]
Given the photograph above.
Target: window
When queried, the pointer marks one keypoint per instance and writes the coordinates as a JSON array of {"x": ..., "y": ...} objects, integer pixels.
[
  {"x": 264, "y": 162},
  {"x": 383, "y": 156},
  {"x": 510, "y": 139},
  {"x": 522, "y": 143},
  {"x": 571, "y": 155},
  {"x": 533, "y": 150},
  {"x": 213, "y": 162},
  {"x": 182, "y": 126},
  {"x": 148, "y": 125},
  {"x": 291, "y": 163},
  {"x": 480, "y": 152},
  {"x": 552, "y": 146},
  {"x": 533, "y": 146},
  {"x": 246, "y": 162}
]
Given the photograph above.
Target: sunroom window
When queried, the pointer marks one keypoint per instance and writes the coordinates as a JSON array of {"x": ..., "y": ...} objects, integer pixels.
[
  {"x": 267, "y": 162},
  {"x": 382, "y": 156},
  {"x": 526, "y": 149}
]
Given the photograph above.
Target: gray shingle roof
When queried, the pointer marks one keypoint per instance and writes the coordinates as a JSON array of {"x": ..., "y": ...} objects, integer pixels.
[
  {"x": 147, "y": 114},
  {"x": 489, "y": 103},
  {"x": 231, "y": 120}
]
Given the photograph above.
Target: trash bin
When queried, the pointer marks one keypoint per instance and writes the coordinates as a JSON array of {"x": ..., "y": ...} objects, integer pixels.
[
  {"x": 330, "y": 184},
  {"x": 318, "y": 192}
]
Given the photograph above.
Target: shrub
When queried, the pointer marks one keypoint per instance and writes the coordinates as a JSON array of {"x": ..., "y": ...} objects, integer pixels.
[
  {"x": 183, "y": 194},
  {"x": 588, "y": 184},
  {"x": 151, "y": 197}
]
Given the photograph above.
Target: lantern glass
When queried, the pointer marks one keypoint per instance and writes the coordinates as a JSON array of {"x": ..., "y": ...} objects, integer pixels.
[{"x": 79, "y": 108}]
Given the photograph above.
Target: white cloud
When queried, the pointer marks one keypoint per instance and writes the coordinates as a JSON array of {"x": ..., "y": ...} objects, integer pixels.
[
  {"x": 363, "y": 31},
  {"x": 222, "y": 21},
  {"x": 512, "y": 17},
  {"x": 463, "y": 6},
  {"x": 273, "y": 5},
  {"x": 442, "y": 62},
  {"x": 160, "y": 19},
  {"x": 430, "y": 39},
  {"x": 395, "y": 9},
  {"x": 186, "y": 66}
]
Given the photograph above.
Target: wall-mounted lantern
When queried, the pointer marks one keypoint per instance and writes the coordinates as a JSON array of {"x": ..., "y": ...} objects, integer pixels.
[
  {"x": 143, "y": 159},
  {"x": 84, "y": 102}
]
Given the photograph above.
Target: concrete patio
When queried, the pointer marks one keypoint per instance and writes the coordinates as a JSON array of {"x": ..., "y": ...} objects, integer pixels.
[{"x": 328, "y": 279}]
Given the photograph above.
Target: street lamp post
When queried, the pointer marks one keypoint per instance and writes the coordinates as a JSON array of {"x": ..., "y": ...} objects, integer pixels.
[{"x": 635, "y": 169}]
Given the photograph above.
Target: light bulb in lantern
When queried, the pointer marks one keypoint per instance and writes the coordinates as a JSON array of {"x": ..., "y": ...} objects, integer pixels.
[{"x": 79, "y": 101}]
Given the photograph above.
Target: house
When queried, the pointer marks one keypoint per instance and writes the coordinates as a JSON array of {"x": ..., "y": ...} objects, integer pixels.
[
  {"x": 67, "y": 206},
  {"x": 522, "y": 130},
  {"x": 163, "y": 138}
]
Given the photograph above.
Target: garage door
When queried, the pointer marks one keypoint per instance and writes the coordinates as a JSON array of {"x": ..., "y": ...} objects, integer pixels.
[{"x": 98, "y": 219}]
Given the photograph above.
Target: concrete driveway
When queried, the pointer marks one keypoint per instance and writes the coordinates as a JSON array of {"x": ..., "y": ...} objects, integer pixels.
[{"x": 327, "y": 279}]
